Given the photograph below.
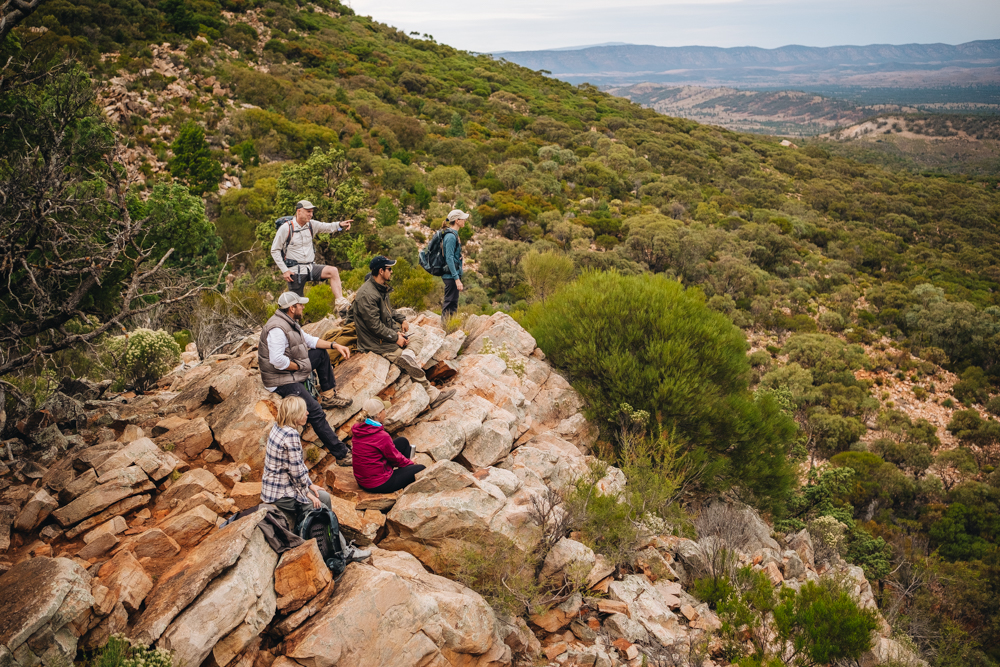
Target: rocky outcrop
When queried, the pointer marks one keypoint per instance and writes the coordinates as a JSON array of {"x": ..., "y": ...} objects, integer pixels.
[{"x": 132, "y": 494}]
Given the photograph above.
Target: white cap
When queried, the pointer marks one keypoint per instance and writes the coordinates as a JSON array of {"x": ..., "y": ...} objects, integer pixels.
[
  {"x": 303, "y": 203},
  {"x": 373, "y": 406},
  {"x": 288, "y": 299},
  {"x": 457, "y": 214}
]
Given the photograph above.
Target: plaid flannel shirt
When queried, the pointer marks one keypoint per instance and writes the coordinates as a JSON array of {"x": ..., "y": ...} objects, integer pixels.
[{"x": 285, "y": 473}]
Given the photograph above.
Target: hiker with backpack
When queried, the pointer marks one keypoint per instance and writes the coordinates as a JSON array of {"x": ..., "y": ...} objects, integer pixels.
[
  {"x": 443, "y": 257},
  {"x": 286, "y": 485},
  {"x": 292, "y": 250},
  {"x": 381, "y": 463},
  {"x": 384, "y": 330},
  {"x": 287, "y": 355}
]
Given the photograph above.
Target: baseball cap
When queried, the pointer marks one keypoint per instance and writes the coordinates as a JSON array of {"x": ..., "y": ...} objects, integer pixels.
[
  {"x": 288, "y": 299},
  {"x": 303, "y": 203},
  {"x": 457, "y": 214},
  {"x": 373, "y": 406},
  {"x": 380, "y": 262}
]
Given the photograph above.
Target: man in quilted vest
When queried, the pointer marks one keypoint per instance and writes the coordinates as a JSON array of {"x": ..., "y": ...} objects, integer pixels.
[{"x": 287, "y": 356}]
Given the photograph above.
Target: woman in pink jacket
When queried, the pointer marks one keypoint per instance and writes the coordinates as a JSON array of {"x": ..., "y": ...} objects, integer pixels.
[{"x": 381, "y": 463}]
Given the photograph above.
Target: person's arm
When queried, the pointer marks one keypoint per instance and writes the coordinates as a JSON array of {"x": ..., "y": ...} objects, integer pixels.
[
  {"x": 390, "y": 452},
  {"x": 276, "y": 246},
  {"x": 314, "y": 343},
  {"x": 277, "y": 345},
  {"x": 451, "y": 255},
  {"x": 369, "y": 314},
  {"x": 326, "y": 227},
  {"x": 298, "y": 473}
]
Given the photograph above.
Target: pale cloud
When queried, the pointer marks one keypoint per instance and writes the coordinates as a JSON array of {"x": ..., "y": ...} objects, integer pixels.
[{"x": 517, "y": 25}]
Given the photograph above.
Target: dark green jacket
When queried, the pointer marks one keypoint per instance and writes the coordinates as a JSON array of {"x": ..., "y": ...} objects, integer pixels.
[{"x": 375, "y": 320}]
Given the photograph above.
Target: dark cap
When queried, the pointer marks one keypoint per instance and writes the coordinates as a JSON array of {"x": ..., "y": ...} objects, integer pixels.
[{"x": 380, "y": 262}]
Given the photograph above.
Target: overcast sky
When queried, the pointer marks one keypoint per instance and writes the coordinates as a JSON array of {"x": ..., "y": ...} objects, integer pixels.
[{"x": 522, "y": 25}]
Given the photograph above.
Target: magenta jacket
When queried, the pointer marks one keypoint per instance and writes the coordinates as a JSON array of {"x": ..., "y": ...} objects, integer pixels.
[{"x": 375, "y": 456}]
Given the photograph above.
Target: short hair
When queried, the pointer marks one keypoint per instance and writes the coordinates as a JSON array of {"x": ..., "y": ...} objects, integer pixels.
[{"x": 291, "y": 409}]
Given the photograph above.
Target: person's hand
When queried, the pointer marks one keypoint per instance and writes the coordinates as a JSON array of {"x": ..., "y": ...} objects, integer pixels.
[
  {"x": 287, "y": 275},
  {"x": 400, "y": 340},
  {"x": 292, "y": 366},
  {"x": 345, "y": 352},
  {"x": 459, "y": 285},
  {"x": 315, "y": 488},
  {"x": 406, "y": 326},
  {"x": 314, "y": 500},
  {"x": 345, "y": 225}
]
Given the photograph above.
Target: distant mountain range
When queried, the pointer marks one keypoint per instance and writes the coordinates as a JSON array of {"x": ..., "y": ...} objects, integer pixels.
[{"x": 907, "y": 65}]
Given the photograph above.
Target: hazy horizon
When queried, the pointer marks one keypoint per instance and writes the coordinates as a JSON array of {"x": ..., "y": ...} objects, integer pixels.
[{"x": 535, "y": 25}]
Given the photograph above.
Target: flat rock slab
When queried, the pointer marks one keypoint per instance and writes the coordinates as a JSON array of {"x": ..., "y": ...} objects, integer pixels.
[
  {"x": 393, "y": 613},
  {"x": 343, "y": 485},
  {"x": 41, "y": 592},
  {"x": 132, "y": 481},
  {"x": 182, "y": 583}
]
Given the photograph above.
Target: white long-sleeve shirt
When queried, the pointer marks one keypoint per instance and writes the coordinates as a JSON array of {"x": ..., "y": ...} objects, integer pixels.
[
  {"x": 277, "y": 345},
  {"x": 301, "y": 246}
]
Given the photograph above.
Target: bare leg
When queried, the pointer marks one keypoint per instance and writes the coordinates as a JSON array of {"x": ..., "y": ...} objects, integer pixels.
[{"x": 333, "y": 275}]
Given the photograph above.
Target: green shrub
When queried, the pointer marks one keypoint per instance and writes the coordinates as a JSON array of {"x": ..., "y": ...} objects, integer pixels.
[
  {"x": 648, "y": 342},
  {"x": 974, "y": 386},
  {"x": 411, "y": 286},
  {"x": 386, "y": 213},
  {"x": 822, "y": 623},
  {"x": 320, "y": 303},
  {"x": 139, "y": 358},
  {"x": 547, "y": 272},
  {"x": 193, "y": 161},
  {"x": 120, "y": 651}
]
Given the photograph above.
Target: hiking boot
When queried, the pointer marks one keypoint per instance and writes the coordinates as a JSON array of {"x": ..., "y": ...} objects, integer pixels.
[
  {"x": 345, "y": 461},
  {"x": 410, "y": 367},
  {"x": 441, "y": 398},
  {"x": 343, "y": 305},
  {"x": 329, "y": 400},
  {"x": 355, "y": 554}
]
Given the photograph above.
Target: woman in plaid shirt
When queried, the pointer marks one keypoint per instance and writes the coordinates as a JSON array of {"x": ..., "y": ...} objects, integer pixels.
[{"x": 286, "y": 482}]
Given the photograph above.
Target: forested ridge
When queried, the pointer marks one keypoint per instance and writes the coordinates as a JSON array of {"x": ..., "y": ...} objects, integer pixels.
[{"x": 834, "y": 285}]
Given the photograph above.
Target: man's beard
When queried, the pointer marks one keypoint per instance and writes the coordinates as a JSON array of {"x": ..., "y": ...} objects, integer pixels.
[{"x": 297, "y": 315}]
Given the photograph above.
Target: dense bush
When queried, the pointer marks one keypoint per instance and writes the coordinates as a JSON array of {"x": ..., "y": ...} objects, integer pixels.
[
  {"x": 139, "y": 358},
  {"x": 193, "y": 161},
  {"x": 683, "y": 364}
]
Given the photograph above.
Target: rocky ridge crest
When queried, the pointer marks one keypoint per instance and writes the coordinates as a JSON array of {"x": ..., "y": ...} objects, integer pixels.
[{"x": 110, "y": 523}]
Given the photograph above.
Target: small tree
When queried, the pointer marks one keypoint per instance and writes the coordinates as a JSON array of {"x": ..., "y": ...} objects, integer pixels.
[
  {"x": 457, "y": 128},
  {"x": 193, "y": 160},
  {"x": 386, "y": 213},
  {"x": 547, "y": 272},
  {"x": 141, "y": 357}
]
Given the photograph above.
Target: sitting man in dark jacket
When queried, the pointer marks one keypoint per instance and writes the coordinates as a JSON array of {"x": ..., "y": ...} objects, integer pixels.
[{"x": 383, "y": 330}]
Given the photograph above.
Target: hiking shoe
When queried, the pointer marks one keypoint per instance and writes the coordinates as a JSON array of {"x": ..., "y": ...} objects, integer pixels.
[
  {"x": 345, "y": 461},
  {"x": 354, "y": 554},
  {"x": 411, "y": 368},
  {"x": 330, "y": 399},
  {"x": 442, "y": 397}
]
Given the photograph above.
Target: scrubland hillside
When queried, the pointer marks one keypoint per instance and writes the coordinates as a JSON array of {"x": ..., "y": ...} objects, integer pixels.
[{"x": 787, "y": 328}]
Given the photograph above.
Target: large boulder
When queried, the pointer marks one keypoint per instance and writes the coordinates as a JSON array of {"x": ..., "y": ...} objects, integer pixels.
[
  {"x": 46, "y": 605},
  {"x": 242, "y": 594},
  {"x": 445, "y": 504},
  {"x": 241, "y": 423},
  {"x": 500, "y": 329},
  {"x": 144, "y": 453},
  {"x": 300, "y": 576},
  {"x": 490, "y": 446},
  {"x": 35, "y": 511},
  {"x": 359, "y": 378},
  {"x": 210, "y": 383},
  {"x": 189, "y": 439},
  {"x": 393, "y": 613},
  {"x": 647, "y": 606},
  {"x": 131, "y": 481},
  {"x": 187, "y": 485},
  {"x": 184, "y": 582}
]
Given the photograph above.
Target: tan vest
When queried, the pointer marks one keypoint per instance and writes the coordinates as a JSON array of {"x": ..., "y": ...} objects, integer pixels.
[{"x": 297, "y": 351}]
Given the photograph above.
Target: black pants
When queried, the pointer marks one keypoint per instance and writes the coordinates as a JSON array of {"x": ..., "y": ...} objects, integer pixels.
[
  {"x": 320, "y": 360},
  {"x": 450, "y": 306},
  {"x": 401, "y": 477},
  {"x": 295, "y": 510}
]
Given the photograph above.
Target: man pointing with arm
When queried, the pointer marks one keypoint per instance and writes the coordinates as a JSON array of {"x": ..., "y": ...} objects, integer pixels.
[{"x": 292, "y": 250}]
